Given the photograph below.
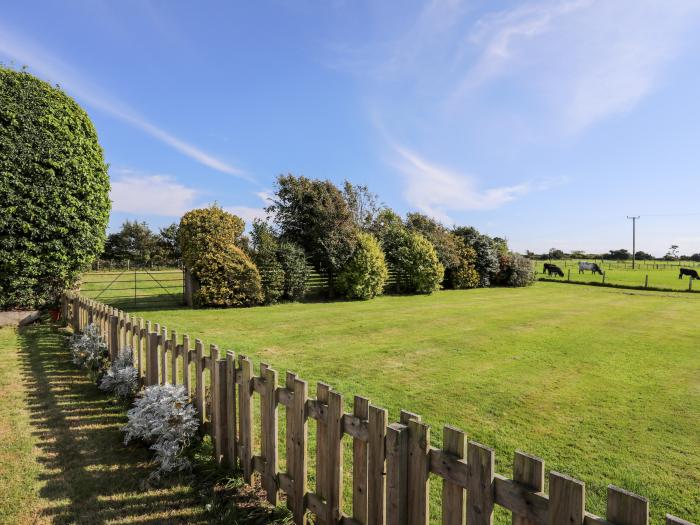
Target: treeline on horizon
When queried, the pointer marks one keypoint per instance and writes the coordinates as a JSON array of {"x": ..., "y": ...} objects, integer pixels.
[{"x": 613, "y": 255}]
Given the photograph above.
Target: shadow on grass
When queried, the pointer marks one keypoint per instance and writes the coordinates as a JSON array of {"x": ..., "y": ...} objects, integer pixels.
[{"x": 88, "y": 475}]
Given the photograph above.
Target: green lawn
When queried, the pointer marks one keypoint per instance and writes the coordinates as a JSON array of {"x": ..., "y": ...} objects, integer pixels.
[
  {"x": 652, "y": 273},
  {"x": 604, "y": 384}
]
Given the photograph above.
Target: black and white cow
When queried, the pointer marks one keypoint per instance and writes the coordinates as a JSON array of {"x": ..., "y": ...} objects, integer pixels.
[
  {"x": 593, "y": 267},
  {"x": 689, "y": 272},
  {"x": 550, "y": 269}
]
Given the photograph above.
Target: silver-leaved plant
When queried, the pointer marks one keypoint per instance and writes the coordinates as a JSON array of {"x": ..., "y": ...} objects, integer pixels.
[
  {"x": 122, "y": 378},
  {"x": 89, "y": 350}
]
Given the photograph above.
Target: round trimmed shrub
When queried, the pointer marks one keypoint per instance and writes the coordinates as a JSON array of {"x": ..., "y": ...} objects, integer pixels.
[
  {"x": 54, "y": 190},
  {"x": 226, "y": 275},
  {"x": 417, "y": 264},
  {"x": 515, "y": 270},
  {"x": 365, "y": 274}
]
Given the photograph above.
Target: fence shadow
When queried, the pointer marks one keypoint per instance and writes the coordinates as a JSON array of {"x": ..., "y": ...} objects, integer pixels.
[{"x": 88, "y": 476}]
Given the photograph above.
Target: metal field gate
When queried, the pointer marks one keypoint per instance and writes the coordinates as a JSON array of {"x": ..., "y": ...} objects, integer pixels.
[{"x": 138, "y": 288}]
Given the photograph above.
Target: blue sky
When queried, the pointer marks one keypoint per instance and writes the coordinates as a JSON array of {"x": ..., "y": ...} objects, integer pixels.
[{"x": 546, "y": 122}]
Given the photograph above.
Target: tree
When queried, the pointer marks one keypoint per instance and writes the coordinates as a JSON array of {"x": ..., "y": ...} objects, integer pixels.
[
  {"x": 413, "y": 257},
  {"x": 515, "y": 270},
  {"x": 264, "y": 253},
  {"x": 365, "y": 273},
  {"x": 618, "y": 255},
  {"x": 643, "y": 256},
  {"x": 315, "y": 215},
  {"x": 672, "y": 252},
  {"x": 169, "y": 251},
  {"x": 446, "y": 244},
  {"x": 133, "y": 242},
  {"x": 54, "y": 191},
  {"x": 296, "y": 272},
  {"x": 465, "y": 274},
  {"x": 556, "y": 253},
  {"x": 363, "y": 204},
  {"x": 486, "y": 255},
  {"x": 225, "y": 274}
]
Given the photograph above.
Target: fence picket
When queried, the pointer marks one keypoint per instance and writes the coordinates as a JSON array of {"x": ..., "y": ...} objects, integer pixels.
[
  {"x": 245, "y": 411},
  {"x": 453, "y": 499},
  {"x": 360, "y": 465},
  {"x": 174, "y": 352},
  {"x": 396, "y": 467},
  {"x": 529, "y": 472},
  {"x": 567, "y": 500},
  {"x": 626, "y": 508},
  {"x": 299, "y": 450},
  {"x": 269, "y": 430},
  {"x": 418, "y": 472},
  {"x": 231, "y": 419},
  {"x": 152, "y": 359},
  {"x": 480, "y": 490},
  {"x": 376, "y": 466},
  {"x": 219, "y": 408},
  {"x": 165, "y": 347},
  {"x": 199, "y": 379}
]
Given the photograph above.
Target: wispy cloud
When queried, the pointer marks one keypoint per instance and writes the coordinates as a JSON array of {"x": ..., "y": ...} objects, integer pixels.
[
  {"x": 437, "y": 191},
  {"x": 40, "y": 61},
  {"x": 142, "y": 194},
  {"x": 583, "y": 60}
]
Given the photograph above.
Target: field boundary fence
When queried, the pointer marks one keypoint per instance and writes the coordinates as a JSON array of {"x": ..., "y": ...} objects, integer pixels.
[
  {"x": 392, "y": 463},
  {"x": 136, "y": 287}
]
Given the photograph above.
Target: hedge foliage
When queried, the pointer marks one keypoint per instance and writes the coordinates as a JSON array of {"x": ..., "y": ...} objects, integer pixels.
[
  {"x": 54, "y": 191},
  {"x": 226, "y": 275},
  {"x": 365, "y": 274},
  {"x": 417, "y": 265},
  {"x": 464, "y": 275},
  {"x": 515, "y": 270}
]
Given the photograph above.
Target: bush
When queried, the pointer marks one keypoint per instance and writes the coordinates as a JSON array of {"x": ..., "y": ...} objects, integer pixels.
[
  {"x": 464, "y": 275},
  {"x": 417, "y": 266},
  {"x": 296, "y": 272},
  {"x": 366, "y": 272},
  {"x": 515, "y": 270},
  {"x": 208, "y": 240},
  {"x": 54, "y": 191},
  {"x": 265, "y": 257},
  {"x": 486, "y": 264},
  {"x": 163, "y": 418},
  {"x": 89, "y": 351},
  {"x": 122, "y": 378}
]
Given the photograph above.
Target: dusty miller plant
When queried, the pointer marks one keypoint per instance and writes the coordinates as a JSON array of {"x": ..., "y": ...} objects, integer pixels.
[
  {"x": 89, "y": 350},
  {"x": 163, "y": 418},
  {"x": 122, "y": 379}
]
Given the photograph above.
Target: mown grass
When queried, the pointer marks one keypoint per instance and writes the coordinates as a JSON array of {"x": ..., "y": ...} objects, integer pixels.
[
  {"x": 603, "y": 384},
  {"x": 62, "y": 458}
]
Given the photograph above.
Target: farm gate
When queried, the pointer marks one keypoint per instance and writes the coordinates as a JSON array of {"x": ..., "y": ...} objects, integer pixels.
[{"x": 135, "y": 288}]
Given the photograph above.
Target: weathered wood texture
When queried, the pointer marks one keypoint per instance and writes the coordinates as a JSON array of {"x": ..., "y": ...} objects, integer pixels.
[{"x": 391, "y": 463}]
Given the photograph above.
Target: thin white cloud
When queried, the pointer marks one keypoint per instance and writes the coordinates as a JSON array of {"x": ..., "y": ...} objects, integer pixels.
[
  {"x": 582, "y": 60},
  {"x": 141, "y": 194},
  {"x": 247, "y": 213},
  {"x": 436, "y": 190},
  {"x": 40, "y": 61}
]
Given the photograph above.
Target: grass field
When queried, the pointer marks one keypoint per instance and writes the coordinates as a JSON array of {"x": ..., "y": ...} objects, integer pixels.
[
  {"x": 660, "y": 274},
  {"x": 604, "y": 384},
  {"x": 134, "y": 288}
]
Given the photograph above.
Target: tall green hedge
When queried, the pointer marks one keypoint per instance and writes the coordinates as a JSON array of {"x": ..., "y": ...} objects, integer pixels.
[
  {"x": 365, "y": 274},
  {"x": 54, "y": 191}
]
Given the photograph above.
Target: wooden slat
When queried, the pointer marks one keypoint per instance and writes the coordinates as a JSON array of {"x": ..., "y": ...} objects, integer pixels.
[
  {"x": 165, "y": 348},
  {"x": 114, "y": 338},
  {"x": 480, "y": 485},
  {"x": 449, "y": 467},
  {"x": 405, "y": 416},
  {"x": 186, "y": 364},
  {"x": 567, "y": 500},
  {"x": 152, "y": 359},
  {"x": 521, "y": 501},
  {"x": 355, "y": 427},
  {"x": 269, "y": 429},
  {"x": 334, "y": 457},
  {"x": 220, "y": 409},
  {"x": 453, "y": 497},
  {"x": 245, "y": 415},
  {"x": 174, "y": 351},
  {"x": 359, "y": 461},
  {"x": 210, "y": 410},
  {"x": 672, "y": 520},
  {"x": 418, "y": 472},
  {"x": 626, "y": 508},
  {"x": 284, "y": 396},
  {"x": 231, "y": 409},
  {"x": 529, "y": 472},
  {"x": 299, "y": 449},
  {"x": 376, "y": 466},
  {"x": 316, "y": 409},
  {"x": 322, "y": 393},
  {"x": 199, "y": 380},
  {"x": 289, "y": 437},
  {"x": 396, "y": 466}
]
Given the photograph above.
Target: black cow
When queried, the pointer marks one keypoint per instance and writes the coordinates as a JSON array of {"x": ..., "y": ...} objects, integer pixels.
[
  {"x": 689, "y": 272},
  {"x": 550, "y": 269}
]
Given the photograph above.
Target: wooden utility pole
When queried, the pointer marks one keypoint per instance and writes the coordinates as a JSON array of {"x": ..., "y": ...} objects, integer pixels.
[{"x": 634, "y": 238}]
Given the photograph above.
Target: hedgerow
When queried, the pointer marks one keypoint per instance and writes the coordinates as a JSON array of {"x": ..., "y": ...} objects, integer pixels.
[{"x": 365, "y": 274}]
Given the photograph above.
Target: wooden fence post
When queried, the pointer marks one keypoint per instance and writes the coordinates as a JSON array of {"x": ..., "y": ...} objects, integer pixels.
[
  {"x": 210, "y": 410},
  {"x": 186, "y": 365},
  {"x": 626, "y": 508},
  {"x": 231, "y": 419},
  {"x": 165, "y": 347},
  {"x": 113, "y": 337},
  {"x": 297, "y": 443},
  {"x": 376, "y": 466},
  {"x": 174, "y": 352},
  {"x": 245, "y": 414},
  {"x": 418, "y": 472},
  {"x": 567, "y": 500},
  {"x": 152, "y": 359},
  {"x": 199, "y": 380},
  {"x": 269, "y": 428},
  {"x": 480, "y": 492},
  {"x": 329, "y": 454},
  {"x": 359, "y": 465},
  {"x": 453, "y": 499},
  {"x": 220, "y": 409},
  {"x": 75, "y": 314},
  {"x": 396, "y": 467},
  {"x": 529, "y": 472}
]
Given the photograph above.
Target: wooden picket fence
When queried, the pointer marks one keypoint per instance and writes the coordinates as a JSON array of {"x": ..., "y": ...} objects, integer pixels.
[{"x": 391, "y": 463}]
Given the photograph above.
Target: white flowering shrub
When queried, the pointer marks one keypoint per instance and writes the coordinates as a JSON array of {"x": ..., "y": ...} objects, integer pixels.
[
  {"x": 163, "y": 418},
  {"x": 122, "y": 378},
  {"x": 89, "y": 350}
]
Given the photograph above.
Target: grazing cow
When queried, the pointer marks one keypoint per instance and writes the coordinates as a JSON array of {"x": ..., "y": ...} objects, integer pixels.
[
  {"x": 550, "y": 269},
  {"x": 693, "y": 274},
  {"x": 593, "y": 267}
]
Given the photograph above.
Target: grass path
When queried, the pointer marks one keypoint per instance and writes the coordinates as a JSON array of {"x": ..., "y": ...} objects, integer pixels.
[{"x": 61, "y": 457}]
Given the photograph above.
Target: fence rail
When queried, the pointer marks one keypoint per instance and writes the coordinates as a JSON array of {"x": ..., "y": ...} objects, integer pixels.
[{"x": 391, "y": 463}]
